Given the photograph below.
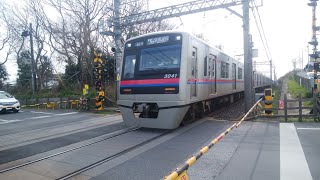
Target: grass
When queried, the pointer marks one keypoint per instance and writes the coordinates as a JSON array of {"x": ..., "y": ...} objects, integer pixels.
[
  {"x": 295, "y": 89},
  {"x": 308, "y": 119}
]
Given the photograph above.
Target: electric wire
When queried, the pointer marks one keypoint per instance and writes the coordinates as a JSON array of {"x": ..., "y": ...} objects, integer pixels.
[{"x": 261, "y": 31}]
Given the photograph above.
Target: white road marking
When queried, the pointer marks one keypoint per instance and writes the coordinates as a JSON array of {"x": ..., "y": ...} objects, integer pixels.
[
  {"x": 63, "y": 114},
  {"x": 293, "y": 163},
  {"x": 308, "y": 128},
  {"x": 38, "y": 112},
  {"x": 3, "y": 121},
  {"x": 39, "y": 117}
]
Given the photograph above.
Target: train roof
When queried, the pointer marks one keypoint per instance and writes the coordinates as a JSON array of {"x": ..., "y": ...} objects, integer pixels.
[{"x": 181, "y": 32}]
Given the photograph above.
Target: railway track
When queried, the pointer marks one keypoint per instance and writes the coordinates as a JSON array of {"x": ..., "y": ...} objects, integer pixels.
[
  {"x": 112, "y": 135},
  {"x": 112, "y": 157},
  {"x": 87, "y": 166},
  {"x": 95, "y": 164}
]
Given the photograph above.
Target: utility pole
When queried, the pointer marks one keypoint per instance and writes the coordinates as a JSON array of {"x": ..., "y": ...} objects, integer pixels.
[
  {"x": 247, "y": 46},
  {"x": 34, "y": 77},
  {"x": 270, "y": 73},
  {"x": 315, "y": 55},
  {"x": 117, "y": 38}
]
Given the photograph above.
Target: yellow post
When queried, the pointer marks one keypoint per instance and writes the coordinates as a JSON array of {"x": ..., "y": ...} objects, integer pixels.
[{"x": 268, "y": 101}]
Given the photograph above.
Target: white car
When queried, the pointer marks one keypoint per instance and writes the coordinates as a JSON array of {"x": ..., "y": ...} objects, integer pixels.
[{"x": 8, "y": 102}]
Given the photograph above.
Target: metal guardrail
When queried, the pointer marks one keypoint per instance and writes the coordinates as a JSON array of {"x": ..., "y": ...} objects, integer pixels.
[{"x": 181, "y": 171}]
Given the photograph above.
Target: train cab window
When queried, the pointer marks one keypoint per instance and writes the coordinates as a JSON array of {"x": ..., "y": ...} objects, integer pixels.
[
  {"x": 129, "y": 65},
  {"x": 205, "y": 66},
  {"x": 164, "y": 57}
]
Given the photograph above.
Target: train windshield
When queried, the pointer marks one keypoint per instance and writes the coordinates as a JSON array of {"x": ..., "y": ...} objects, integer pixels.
[
  {"x": 152, "y": 62},
  {"x": 163, "y": 57}
]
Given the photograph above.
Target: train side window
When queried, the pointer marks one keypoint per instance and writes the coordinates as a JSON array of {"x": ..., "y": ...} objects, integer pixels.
[
  {"x": 239, "y": 73},
  {"x": 213, "y": 68},
  {"x": 227, "y": 70},
  {"x": 224, "y": 70},
  {"x": 205, "y": 66},
  {"x": 209, "y": 67},
  {"x": 223, "y": 66}
]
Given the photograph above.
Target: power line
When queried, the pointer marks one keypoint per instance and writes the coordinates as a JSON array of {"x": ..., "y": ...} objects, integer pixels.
[
  {"x": 263, "y": 33},
  {"x": 261, "y": 30}
]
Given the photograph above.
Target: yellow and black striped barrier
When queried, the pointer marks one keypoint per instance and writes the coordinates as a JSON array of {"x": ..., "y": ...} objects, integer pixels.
[
  {"x": 181, "y": 172},
  {"x": 53, "y": 104},
  {"x": 268, "y": 101}
]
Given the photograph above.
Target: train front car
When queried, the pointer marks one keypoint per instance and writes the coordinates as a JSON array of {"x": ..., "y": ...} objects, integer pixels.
[{"x": 149, "y": 87}]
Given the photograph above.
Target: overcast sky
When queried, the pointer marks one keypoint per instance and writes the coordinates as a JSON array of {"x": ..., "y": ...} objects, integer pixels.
[{"x": 287, "y": 26}]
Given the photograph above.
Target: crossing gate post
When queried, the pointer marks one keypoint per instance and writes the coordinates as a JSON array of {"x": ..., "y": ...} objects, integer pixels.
[
  {"x": 98, "y": 77},
  {"x": 285, "y": 107},
  {"x": 300, "y": 108},
  {"x": 268, "y": 101}
]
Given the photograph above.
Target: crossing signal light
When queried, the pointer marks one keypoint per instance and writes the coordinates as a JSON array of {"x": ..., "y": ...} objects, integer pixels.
[
  {"x": 314, "y": 43},
  {"x": 313, "y": 3},
  {"x": 315, "y": 56}
]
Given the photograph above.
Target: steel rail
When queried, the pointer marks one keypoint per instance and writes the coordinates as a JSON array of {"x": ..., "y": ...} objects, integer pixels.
[{"x": 116, "y": 133}]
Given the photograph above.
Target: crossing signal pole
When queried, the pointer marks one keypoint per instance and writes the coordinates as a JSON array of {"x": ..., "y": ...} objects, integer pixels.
[
  {"x": 98, "y": 79},
  {"x": 315, "y": 55},
  {"x": 247, "y": 47}
]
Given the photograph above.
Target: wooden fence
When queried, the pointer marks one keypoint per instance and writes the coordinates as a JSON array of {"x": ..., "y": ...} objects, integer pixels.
[{"x": 290, "y": 105}]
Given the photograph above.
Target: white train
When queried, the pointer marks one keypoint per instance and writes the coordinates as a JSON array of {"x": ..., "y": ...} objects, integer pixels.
[{"x": 170, "y": 77}]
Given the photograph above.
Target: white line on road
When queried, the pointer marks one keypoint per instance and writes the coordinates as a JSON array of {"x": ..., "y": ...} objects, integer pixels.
[
  {"x": 39, "y": 117},
  {"x": 63, "y": 114},
  {"x": 38, "y": 112},
  {"x": 2, "y": 121},
  {"x": 293, "y": 163},
  {"x": 308, "y": 128}
]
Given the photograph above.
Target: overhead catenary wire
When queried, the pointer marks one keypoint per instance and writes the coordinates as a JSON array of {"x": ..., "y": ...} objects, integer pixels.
[{"x": 260, "y": 29}]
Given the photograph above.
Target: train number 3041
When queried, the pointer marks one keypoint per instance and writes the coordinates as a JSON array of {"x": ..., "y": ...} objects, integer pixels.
[{"x": 170, "y": 76}]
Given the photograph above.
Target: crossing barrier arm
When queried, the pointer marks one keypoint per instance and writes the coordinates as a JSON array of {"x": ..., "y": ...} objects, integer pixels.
[
  {"x": 244, "y": 117},
  {"x": 183, "y": 168}
]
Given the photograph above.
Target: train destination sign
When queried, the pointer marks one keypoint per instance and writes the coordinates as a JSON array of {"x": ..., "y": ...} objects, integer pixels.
[{"x": 157, "y": 40}]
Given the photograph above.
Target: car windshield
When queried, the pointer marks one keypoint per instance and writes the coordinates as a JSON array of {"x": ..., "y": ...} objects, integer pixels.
[{"x": 5, "y": 95}]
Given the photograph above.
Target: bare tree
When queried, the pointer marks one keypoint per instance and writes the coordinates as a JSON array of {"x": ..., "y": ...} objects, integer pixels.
[
  {"x": 7, "y": 35},
  {"x": 294, "y": 63},
  {"x": 17, "y": 18},
  {"x": 75, "y": 33}
]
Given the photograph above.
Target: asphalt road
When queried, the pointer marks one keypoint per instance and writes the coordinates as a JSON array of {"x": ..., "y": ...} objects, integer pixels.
[
  {"x": 31, "y": 132},
  {"x": 256, "y": 150}
]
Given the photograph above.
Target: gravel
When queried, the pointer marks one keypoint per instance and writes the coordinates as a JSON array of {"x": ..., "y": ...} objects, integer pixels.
[{"x": 230, "y": 112}]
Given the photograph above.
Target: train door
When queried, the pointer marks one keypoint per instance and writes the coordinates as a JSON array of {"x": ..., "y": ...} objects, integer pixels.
[
  {"x": 234, "y": 77},
  {"x": 194, "y": 72},
  {"x": 213, "y": 78}
]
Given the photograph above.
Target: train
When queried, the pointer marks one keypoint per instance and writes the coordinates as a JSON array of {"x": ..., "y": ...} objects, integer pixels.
[{"x": 169, "y": 78}]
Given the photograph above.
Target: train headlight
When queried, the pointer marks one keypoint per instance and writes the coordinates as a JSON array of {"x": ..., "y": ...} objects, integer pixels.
[
  {"x": 178, "y": 38},
  {"x": 129, "y": 45}
]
